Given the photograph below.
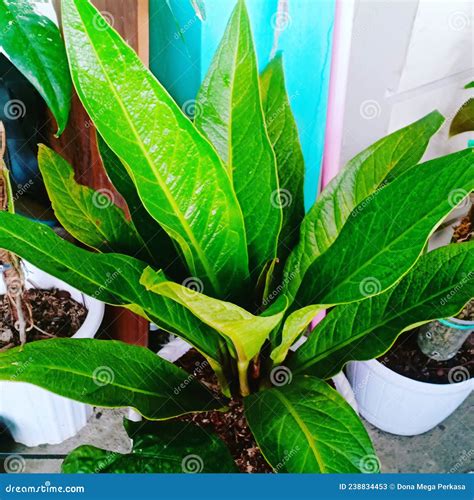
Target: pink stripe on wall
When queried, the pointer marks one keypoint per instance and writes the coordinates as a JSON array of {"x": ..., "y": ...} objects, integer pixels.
[{"x": 343, "y": 22}]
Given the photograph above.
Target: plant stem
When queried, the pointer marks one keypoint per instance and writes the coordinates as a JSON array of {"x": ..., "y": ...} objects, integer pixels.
[
  {"x": 221, "y": 378},
  {"x": 242, "y": 367}
]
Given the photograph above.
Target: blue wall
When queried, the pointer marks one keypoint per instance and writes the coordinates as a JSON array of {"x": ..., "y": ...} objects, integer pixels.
[{"x": 182, "y": 48}]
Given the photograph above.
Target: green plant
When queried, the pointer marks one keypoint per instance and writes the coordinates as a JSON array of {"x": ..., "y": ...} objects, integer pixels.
[
  {"x": 229, "y": 262},
  {"x": 34, "y": 45}
]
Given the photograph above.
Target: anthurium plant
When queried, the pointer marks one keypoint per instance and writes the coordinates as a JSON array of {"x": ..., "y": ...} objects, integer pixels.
[{"x": 219, "y": 252}]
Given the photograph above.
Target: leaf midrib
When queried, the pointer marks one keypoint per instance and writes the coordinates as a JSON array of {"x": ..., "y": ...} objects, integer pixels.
[
  {"x": 386, "y": 249},
  {"x": 303, "y": 427},
  {"x": 349, "y": 341},
  {"x": 206, "y": 264},
  {"x": 88, "y": 377}
]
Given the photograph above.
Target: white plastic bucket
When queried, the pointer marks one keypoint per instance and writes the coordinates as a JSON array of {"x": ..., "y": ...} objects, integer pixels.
[
  {"x": 403, "y": 406},
  {"x": 36, "y": 416}
]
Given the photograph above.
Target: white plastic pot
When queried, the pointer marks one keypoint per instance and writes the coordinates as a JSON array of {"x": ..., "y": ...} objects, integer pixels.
[
  {"x": 403, "y": 406},
  {"x": 33, "y": 415}
]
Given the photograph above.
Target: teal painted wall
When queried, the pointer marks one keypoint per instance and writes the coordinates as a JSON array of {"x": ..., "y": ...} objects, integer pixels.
[{"x": 182, "y": 48}]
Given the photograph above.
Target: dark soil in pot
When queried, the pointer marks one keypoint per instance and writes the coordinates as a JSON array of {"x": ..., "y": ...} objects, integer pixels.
[
  {"x": 55, "y": 314},
  {"x": 406, "y": 359},
  {"x": 230, "y": 426}
]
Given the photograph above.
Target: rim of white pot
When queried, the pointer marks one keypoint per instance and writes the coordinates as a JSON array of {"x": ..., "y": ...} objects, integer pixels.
[
  {"x": 415, "y": 385},
  {"x": 464, "y": 322}
]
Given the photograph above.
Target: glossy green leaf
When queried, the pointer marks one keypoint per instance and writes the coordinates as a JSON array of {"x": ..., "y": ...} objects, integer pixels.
[
  {"x": 179, "y": 177},
  {"x": 158, "y": 244},
  {"x": 109, "y": 374},
  {"x": 230, "y": 115},
  {"x": 90, "y": 216},
  {"x": 386, "y": 234},
  {"x": 464, "y": 119},
  {"x": 158, "y": 447},
  {"x": 283, "y": 133},
  {"x": 438, "y": 286},
  {"x": 111, "y": 278},
  {"x": 307, "y": 426},
  {"x": 294, "y": 326},
  {"x": 34, "y": 45},
  {"x": 359, "y": 180},
  {"x": 470, "y": 85},
  {"x": 246, "y": 331}
]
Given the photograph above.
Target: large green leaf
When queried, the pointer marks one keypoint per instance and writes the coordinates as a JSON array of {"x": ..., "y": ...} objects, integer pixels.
[
  {"x": 246, "y": 331},
  {"x": 230, "y": 114},
  {"x": 307, "y": 426},
  {"x": 360, "y": 179},
  {"x": 90, "y": 216},
  {"x": 385, "y": 235},
  {"x": 464, "y": 119},
  {"x": 111, "y": 278},
  {"x": 158, "y": 244},
  {"x": 283, "y": 133},
  {"x": 180, "y": 179},
  {"x": 34, "y": 45},
  {"x": 158, "y": 447},
  {"x": 108, "y": 373},
  {"x": 438, "y": 286}
]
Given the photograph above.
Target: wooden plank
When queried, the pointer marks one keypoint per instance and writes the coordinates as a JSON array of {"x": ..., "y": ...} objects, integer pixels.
[{"x": 78, "y": 145}]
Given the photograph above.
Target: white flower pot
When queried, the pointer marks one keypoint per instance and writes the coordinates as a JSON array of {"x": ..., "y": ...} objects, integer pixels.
[
  {"x": 403, "y": 406},
  {"x": 33, "y": 415}
]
